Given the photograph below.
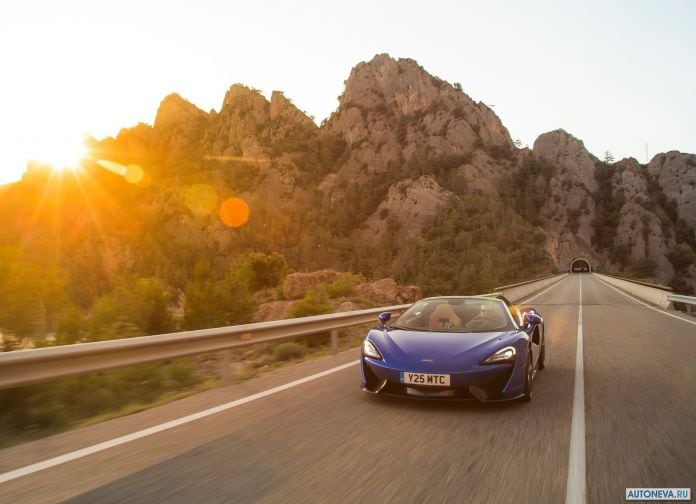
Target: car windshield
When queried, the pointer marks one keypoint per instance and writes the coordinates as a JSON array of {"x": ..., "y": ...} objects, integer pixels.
[{"x": 456, "y": 315}]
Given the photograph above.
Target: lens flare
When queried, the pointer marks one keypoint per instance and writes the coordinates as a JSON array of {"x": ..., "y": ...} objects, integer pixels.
[
  {"x": 234, "y": 212},
  {"x": 112, "y": 166},
  {"x": 133, "y": 173},
  {"x": 201, "y": 199}
]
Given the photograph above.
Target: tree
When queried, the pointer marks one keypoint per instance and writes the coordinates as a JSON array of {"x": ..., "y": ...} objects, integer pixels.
[
  {"x": 315, "y": 302},
  {"x": 267, "y": 270},
  {"x": 608, "y": 158},
  {"x": 70, "y": 326},
  {"x": 205, "y": 301},
  {"x": 135, "y": 308},
  {"x": 216, "y": 303},
  {"x": 31, "y": 294}
]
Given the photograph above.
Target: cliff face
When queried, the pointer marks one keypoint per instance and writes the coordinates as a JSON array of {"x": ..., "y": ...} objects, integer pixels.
[
  {"x": 676, "y": 174},
  {"x": 179, "y": 125},
  {"x": 393, "y": 112},
  {"x": 411, "y": 204},
  {"x": 569, "y": 208},
  {"x": 624, "y": 216},
  {"x": 644, "y": 232}
]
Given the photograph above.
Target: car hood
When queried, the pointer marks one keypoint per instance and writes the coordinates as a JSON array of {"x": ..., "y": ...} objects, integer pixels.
[{"x": 437, "y": 351}]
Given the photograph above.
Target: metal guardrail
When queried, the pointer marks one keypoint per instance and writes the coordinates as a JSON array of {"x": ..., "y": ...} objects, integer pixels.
[
  {"x": 25, "y": 367},
  {"x": 659, "y": 295},
  {"x": 689, "y": 301},
  {"x": 682, "y": 299}
]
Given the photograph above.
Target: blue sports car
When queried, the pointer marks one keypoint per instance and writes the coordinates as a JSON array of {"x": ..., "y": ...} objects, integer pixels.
[{"x": 458, "y": 348}]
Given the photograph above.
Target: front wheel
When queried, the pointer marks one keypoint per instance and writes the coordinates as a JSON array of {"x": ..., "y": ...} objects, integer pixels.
[{"x": 528, "y": 379}]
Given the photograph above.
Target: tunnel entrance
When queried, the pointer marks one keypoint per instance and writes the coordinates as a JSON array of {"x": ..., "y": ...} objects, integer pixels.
[{"x": 580, "y": 266}]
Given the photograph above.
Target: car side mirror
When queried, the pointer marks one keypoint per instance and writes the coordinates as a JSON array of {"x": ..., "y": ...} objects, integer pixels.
[
  {"x": 530, "y": 317},
  {"x": 383, "y": 318}
]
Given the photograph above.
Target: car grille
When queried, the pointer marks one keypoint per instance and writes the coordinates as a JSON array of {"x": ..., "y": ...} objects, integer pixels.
[
  {"x": 426, "y": 392},
  {"x": 493, "y": 389}
]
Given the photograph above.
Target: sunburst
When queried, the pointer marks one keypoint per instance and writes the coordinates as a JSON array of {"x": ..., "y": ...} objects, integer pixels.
[{"x": 63, "y": 151}]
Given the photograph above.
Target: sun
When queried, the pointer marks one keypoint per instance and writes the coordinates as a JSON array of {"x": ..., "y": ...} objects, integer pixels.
[{"x": 62, "y": 150}]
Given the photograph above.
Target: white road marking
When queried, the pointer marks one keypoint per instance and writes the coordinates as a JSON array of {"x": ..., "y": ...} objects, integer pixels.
[
  {"x": 644, "y": 303},
  {"x": 68, "y": 457},
  {"x": 576, "y": 484},
  {"x": 542, "y": 292}
]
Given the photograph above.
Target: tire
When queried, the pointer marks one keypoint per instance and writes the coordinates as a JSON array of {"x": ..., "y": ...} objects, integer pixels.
[
  {"x": 528, "y": 379},
  {"x": 542, "y": 356}
]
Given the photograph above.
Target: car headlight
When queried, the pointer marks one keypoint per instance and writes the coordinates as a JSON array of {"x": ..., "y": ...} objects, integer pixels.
[
  {"x": 370, "y": 350},
  {"x": 506, "y": 354}
]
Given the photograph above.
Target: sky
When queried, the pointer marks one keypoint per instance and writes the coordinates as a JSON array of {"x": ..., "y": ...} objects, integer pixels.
[{"x": 618, "y": 75}]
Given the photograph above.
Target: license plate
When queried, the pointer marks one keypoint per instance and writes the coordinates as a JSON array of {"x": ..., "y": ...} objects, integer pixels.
[{"x": 435, "y": 380}]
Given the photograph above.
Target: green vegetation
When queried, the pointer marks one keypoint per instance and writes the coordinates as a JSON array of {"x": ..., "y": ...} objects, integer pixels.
[
  {"x": 289, "y": 350},
  {"x": 343, "y": 286},
  {"x": 32, "y": 293},
  {"x": 608, "y": 205},
  {"x": 682, "y": 258},
  {"x": 526, "y": 189},
  {"x": 38, "y": 410},
  {"x": 574, "y": 219},
  {"x": 643, "y": 268},
  {"x": 212, "y": 302},
  {"x": 136, "y": 308},
  {"x": 315, "y": 302},
  {"x": 475, "y": 246}
]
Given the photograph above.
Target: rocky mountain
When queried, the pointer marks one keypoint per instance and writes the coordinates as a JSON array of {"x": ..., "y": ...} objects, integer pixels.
[
  {"x": 409, "y": 179},
  {"x": 676, "y": 174},
  {"x": 394, "y": 111},
  {"x": 396, "y": 118},
  {"x": 623, "y": 216}
]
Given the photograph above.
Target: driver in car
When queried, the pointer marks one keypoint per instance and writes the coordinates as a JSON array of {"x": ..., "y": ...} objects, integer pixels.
[{"x": 487, "y": 318}]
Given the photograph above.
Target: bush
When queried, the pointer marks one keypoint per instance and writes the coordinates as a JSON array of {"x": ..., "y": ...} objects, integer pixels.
[
  {"x": 343, "y": 286},
  {"x": 643, "y": 268},
  {"x": 289, "y": 350},
  {"x": 573, "y": 220},
  {"x": 315, "y": 302},
  {"x": 26, "y": 412},
  {"x": 182, "y": 373}
]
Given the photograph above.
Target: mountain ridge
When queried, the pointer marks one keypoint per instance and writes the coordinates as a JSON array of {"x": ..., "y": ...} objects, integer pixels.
[{"x": 409, "y": 178}]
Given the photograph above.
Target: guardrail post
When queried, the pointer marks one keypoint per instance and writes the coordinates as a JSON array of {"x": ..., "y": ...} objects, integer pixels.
[
  {"x": 225, "y": 363},
  {"x": 334, "y": 341}
]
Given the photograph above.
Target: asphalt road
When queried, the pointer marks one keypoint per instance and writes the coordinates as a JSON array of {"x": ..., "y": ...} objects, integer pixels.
[{"x": 326, "y": 441}]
